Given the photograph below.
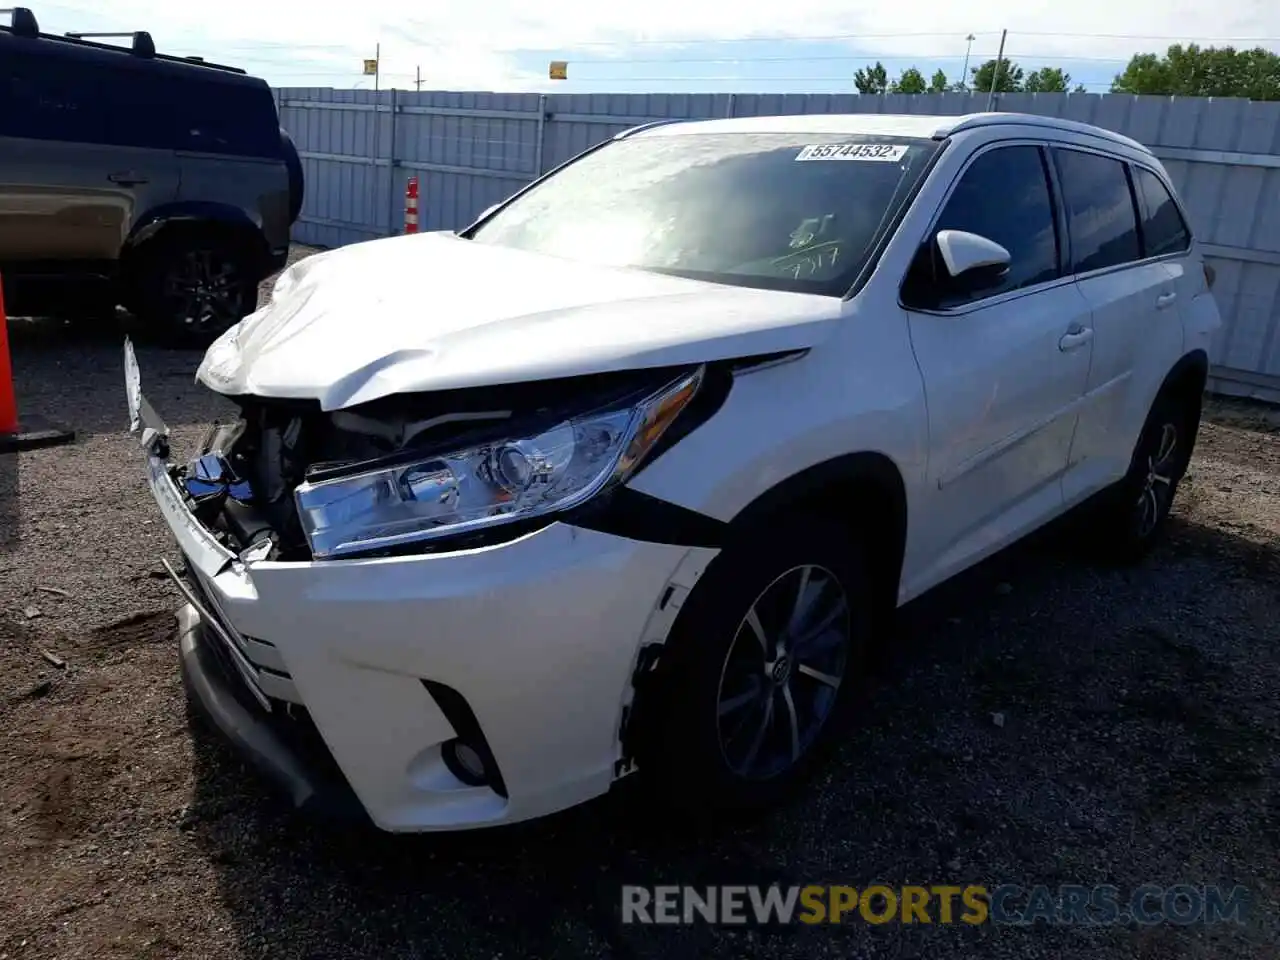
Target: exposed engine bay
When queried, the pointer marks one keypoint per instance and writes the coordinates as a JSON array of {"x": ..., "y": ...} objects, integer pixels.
[{"x": 241, "y": 485}]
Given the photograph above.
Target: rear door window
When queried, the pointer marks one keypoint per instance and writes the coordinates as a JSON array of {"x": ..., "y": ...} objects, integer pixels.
[
  {"x": 1101, "y": 218},
  {"x": 1163, "y": 229}
]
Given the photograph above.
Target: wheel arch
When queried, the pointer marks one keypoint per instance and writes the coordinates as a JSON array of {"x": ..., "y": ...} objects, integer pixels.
[
  {"x": 1190, "y": 374},
  {"x": 863, "y": 491},
  {"x": 1186, "y": 380},
  {"x": 197, "y": 215}
]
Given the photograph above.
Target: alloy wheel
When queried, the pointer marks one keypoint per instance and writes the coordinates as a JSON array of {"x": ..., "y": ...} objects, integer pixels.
[
  {"x": 1158, "y": 485},
  {"x": 783, "y": 671},
  {"x": 203, "y": 292}
]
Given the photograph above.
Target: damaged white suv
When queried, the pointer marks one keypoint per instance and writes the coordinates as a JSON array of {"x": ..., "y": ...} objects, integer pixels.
[{"x": 631, "y": 473}]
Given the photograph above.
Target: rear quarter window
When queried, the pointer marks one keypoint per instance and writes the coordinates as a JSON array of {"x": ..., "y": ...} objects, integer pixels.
[
  {"x": 1163, "y": 229},
  {"x": 228, "y": 117}
]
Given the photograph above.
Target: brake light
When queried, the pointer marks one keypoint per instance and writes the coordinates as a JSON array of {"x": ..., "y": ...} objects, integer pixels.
[{"x": 1209, "y": 275}]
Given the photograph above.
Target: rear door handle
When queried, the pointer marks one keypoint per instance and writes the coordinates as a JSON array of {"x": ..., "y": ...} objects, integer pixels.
[
  {"x": 126, "y": 178},
  {"x": 1075, "y": 339},
  {"x": 1165, "y": 300}
]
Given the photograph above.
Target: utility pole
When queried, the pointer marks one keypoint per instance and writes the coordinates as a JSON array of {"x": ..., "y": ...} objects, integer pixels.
[
  {"x": 964, "y": 74},
  {"x": 995, "y": 74},
  {"x": 418, "y": 83},
  {"x": 377, "y": 70}
]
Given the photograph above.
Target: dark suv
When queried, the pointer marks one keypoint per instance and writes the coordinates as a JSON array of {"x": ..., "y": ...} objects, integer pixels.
[{"x": 163, "y": 184}]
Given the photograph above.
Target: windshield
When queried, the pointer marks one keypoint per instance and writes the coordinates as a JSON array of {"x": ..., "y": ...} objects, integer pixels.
[{"x": 782, "y": 211}]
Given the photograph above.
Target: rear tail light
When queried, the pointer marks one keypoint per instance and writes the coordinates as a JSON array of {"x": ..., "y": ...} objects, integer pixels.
[{"x": 1210, "y": 275}]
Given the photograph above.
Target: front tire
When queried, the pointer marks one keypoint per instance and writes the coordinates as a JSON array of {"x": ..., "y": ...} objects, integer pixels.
[{"x": 758, "y": 673}]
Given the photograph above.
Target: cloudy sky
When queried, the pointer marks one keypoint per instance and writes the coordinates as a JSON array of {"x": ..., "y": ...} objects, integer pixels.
[{"x": 664, "y": 45}]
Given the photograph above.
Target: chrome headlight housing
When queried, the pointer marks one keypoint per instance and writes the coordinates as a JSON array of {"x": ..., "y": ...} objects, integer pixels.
[{"x": 550, "y": 470}]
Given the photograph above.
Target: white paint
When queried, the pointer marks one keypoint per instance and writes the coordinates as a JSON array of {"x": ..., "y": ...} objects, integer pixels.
[
  {"x": 432, "y": 311},
  {"x": 998, "y": 415}
]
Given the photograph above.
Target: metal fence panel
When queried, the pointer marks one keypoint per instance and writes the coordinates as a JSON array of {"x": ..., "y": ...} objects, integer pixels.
[{"x": 472, "y": 149}]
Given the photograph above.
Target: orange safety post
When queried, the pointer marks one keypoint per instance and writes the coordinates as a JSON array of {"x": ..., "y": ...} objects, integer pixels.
[
  {"x": 8, "y": 402},
  {"x": 15, "y": 435},
  {"x": 411, "y": 206}
]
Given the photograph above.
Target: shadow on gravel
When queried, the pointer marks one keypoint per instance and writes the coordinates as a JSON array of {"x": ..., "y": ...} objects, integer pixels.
[
  {"x": 73, "y": 374},
  {"x": 10, "y": 513},
  {"x": 1039, "y": 720}
]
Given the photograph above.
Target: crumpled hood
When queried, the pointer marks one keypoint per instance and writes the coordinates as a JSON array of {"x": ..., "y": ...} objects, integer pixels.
[{"x": 434, "y": 312}]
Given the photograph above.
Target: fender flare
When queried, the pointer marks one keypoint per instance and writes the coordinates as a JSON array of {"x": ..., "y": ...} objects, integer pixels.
[
  {"x": 884, "y": 520},
  {"x": 196, "y": 213},
  {"x": 189, "y": 211},
  {"x": 851, "y": 469}
]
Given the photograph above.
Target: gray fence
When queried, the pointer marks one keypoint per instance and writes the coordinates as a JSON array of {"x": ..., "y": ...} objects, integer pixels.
[{"x": 470, "y": 150}]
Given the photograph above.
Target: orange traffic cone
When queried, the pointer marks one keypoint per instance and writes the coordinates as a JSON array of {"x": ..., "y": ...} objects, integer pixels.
[{"x": 15, "y": 435}]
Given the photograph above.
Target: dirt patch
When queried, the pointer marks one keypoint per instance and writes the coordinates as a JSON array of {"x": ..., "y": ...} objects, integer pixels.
[{"x": 156, "y": 626}]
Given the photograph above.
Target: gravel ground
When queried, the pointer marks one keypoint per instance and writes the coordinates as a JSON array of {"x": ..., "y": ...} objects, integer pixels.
[{"x": 1041, "y": 721}]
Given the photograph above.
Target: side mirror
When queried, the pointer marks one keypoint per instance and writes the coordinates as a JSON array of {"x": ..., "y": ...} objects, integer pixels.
[{"x": 972, "y": 262}]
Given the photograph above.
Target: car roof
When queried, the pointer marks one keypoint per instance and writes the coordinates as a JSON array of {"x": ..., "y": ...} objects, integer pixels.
[{"x": 879, "y": 124}]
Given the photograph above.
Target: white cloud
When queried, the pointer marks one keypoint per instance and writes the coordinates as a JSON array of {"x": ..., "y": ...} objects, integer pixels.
[{"x": 471, "y": 43}]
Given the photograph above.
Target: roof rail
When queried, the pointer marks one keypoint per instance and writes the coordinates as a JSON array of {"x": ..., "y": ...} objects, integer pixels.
[
  {"x": 1035, "y": 120},
  {"x": 640, "y": 128},
  {"x": 22, "y": 22},
  {"x": 142, "y": 44}
]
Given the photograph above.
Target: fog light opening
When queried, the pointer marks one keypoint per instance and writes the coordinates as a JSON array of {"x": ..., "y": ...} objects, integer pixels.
[{"x": 465, "y": 763}]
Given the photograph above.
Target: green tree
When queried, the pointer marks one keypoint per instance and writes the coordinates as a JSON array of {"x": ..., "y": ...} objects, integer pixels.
[
  {"x": 872, "y": 79},
  {"x": 1047, "y": 80},
  {"x": 938, "y": 82},
  {"x": 911, "y": 81},
  {"x": 1009, "y": 80},
  {"x": 1194, "y": 71}
]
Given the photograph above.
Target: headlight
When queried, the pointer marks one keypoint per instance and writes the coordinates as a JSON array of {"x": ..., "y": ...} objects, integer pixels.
[{"x": 488, "y": 484}]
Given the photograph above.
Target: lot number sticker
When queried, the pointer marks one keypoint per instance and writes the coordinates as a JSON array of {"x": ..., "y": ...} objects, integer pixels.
[{"x": 883, "y": 152}]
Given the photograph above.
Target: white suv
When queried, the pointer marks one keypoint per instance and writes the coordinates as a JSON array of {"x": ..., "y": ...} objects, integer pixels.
[{"x": 632, "y": 472}]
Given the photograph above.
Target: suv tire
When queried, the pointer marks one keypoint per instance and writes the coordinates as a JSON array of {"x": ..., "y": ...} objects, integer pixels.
[
  {"x": 1132, "y": 515},
  {"x": 748, "y": 694},
  {"x": 297, "y": 177},
  {"x": 192, "y": 287}
]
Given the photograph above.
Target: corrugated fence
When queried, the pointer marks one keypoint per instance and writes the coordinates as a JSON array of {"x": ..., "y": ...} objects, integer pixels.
[{"x": 470, "y": 150}]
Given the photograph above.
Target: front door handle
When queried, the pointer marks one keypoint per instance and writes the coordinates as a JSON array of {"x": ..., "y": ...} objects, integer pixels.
[
  {"x": 1075, "y": 339},
  {"x": 126, "y": 178},
  {"x": 1165, "y": 300}
]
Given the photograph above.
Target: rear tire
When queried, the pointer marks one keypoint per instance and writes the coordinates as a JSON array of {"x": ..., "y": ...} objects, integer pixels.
[
  {"x": 759, "y": 671},
  {"x": 192, "y": 287},
  {"x": 1130, "y": 518}
]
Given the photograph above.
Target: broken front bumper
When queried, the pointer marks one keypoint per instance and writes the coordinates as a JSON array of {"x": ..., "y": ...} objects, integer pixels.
[
  {"x": 528, "y": 645},
  {"x": 285, "y": 749}
]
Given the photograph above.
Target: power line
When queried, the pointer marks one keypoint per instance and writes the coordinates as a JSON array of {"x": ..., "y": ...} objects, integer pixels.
[
  {"x": 1136, "y": 36},
  {"x": 859, "y": 57},
  {"x": 835, "y": 37}
]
